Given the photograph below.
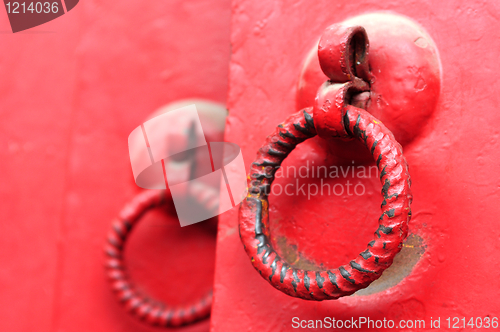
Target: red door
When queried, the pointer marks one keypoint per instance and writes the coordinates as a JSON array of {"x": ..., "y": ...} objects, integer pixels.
[
  {"x": 71, "y": 92},
  {"x": 447, "y": 269},
  {"x": 74, "y": 88}
]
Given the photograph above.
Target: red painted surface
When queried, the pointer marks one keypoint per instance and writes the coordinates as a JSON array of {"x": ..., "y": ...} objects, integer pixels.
[
  {"x": 453, "y": 164},
  {"x": 71, "y": 91}
]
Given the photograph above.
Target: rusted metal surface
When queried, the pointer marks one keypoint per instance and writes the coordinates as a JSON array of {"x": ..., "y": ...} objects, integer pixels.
[{"x": 411, "y": 252}]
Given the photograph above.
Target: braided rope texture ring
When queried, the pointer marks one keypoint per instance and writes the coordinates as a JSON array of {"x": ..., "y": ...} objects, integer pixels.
[
  {"x": 143, "y": 307},
  {"x": 393, "y": 222}
]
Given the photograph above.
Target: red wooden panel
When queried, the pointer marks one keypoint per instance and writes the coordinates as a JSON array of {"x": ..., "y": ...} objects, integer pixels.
[
  {"x": 70, "y": 93},
  {"x": 453, "y": 164}
]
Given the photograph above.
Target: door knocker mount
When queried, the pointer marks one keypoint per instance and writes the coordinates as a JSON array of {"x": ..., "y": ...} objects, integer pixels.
[{"x": 405, "y": 79}]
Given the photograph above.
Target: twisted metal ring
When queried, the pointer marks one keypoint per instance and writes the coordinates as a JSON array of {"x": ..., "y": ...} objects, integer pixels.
[
  {"x": 149, "y": 310},
  {"x": 393, "y": 223}
]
